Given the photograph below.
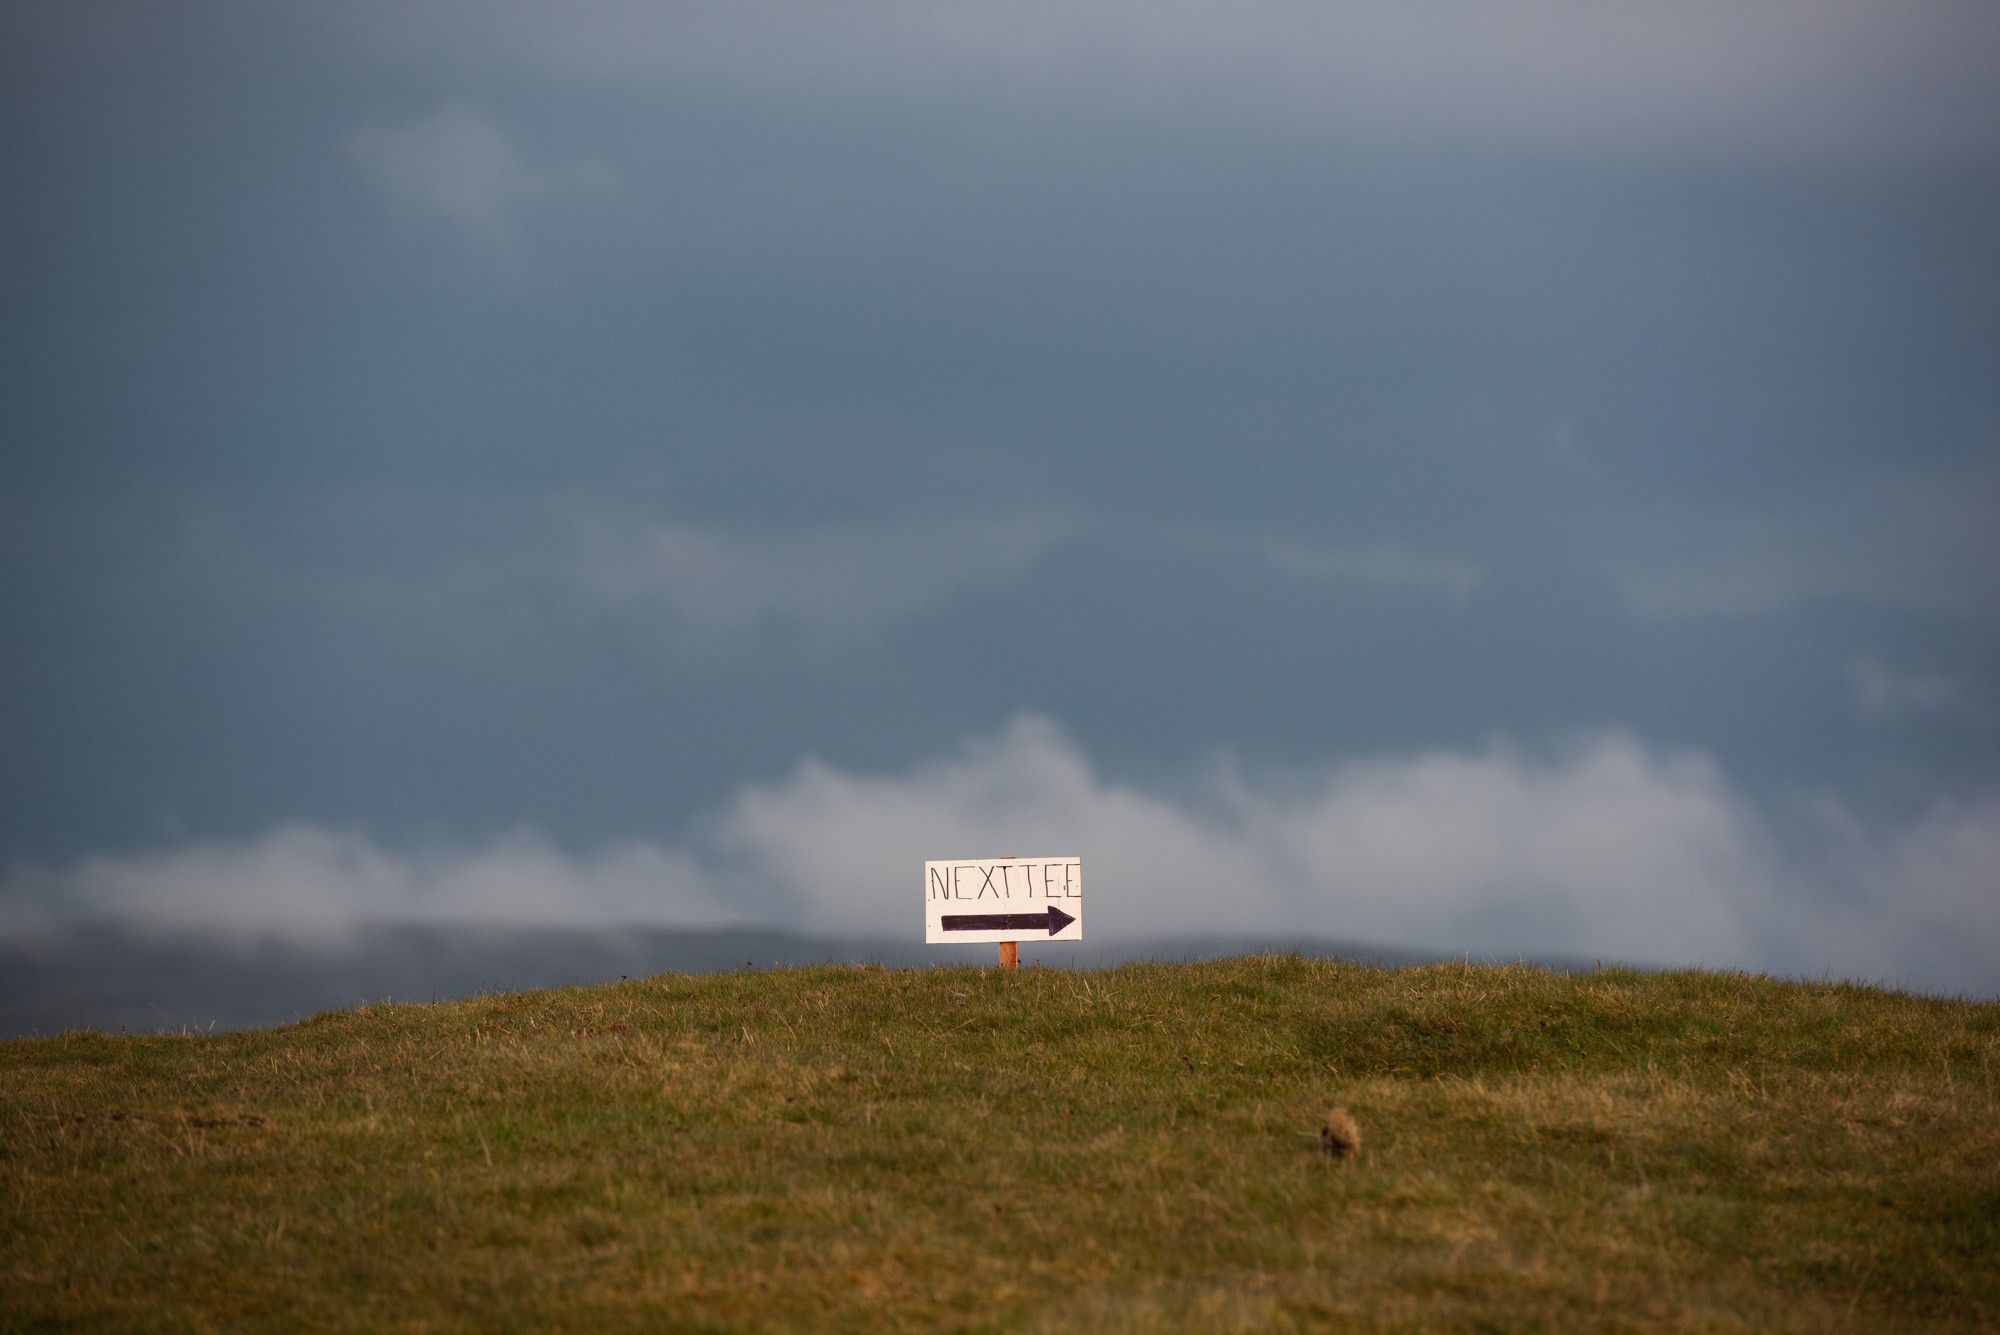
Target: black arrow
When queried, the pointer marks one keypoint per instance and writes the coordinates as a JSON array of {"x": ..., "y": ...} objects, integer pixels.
[{"x": 1055, "y": 920}]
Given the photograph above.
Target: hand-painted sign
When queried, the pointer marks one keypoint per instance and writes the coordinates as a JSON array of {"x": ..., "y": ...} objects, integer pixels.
[{"x": 1003, "y": 899}]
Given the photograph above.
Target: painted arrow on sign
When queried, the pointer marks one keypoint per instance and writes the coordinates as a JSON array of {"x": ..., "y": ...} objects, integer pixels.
[{"x": 1054, "y": 919}]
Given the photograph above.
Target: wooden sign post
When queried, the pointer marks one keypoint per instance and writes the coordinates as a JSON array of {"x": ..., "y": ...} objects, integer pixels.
[{"x": 1008, "y": 900}]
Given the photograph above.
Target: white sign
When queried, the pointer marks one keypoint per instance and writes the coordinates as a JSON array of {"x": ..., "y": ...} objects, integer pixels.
[{"x": 1003, "y": 899}]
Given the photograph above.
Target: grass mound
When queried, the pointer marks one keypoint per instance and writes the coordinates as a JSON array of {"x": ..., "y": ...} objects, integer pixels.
[{"x": 1131, "y": 1149}]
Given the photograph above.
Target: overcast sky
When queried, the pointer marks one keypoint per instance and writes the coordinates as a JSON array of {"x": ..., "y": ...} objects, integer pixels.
[{"x": 1490, "y": 477}]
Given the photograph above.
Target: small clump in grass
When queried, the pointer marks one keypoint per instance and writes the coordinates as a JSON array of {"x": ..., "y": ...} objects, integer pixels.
[{"x": 1339, "y": 1134}]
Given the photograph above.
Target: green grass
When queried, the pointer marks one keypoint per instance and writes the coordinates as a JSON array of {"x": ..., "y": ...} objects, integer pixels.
[{"x": 1131, "y": 1149}]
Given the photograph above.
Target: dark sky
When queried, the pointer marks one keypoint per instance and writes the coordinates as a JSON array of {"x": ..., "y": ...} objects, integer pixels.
[{"x": 1504, "y": 477}]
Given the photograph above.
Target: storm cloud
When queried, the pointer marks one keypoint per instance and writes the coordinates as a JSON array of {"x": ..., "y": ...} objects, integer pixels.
[{"x": 688, "y": 464}]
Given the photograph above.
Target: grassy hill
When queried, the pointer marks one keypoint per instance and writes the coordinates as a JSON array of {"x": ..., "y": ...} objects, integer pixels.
[{"x": 1131, "y": 1149}]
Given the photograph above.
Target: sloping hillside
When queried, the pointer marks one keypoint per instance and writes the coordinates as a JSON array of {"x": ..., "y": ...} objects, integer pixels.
[{"x": 1131, "y": 1149}]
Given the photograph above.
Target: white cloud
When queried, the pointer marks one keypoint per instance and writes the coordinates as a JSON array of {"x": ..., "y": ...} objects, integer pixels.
[
  {"x": 832, "y": 580},
  {"x": 1607, "y": 849},
  {"x": 1380, "y": 567},
  {"x": 1812, "y": 79},
  {"x": 306, "y": 879},
  {"x": 1920, "y": 541},
  {"x": 436, "y": 563},
  {"x": 1883, "y": 694},
  {"x": 458, "y": 165}
]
